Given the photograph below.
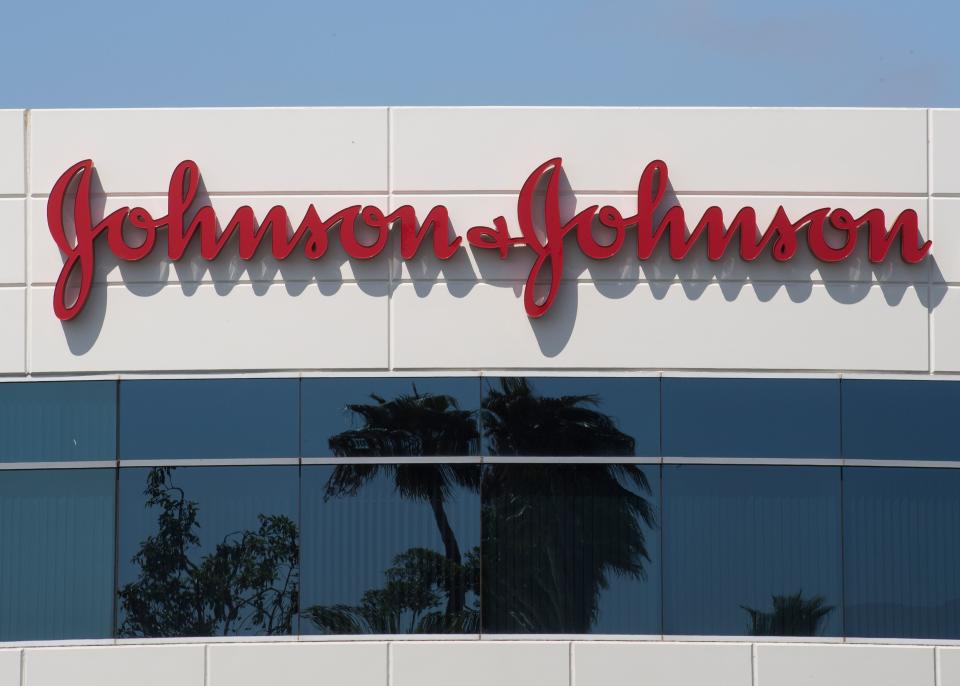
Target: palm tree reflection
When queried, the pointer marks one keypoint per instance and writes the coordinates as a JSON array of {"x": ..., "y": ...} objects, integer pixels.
[
  {"x": 420, "y": 581},
  {"x": 518, "y": 421},
  {"x": 553, "y": 535},
  {"x": 792, "y": 615}
]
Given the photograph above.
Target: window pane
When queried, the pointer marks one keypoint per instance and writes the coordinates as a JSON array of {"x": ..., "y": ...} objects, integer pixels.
[
  {"x": 751, "y": 550},
  {"x": 571, "y": 549},
  {"x": 578, "y": 416},
  {"x": 56, "y": 554},
  {"x": 359, "y": 416},
  {"x": 208, "y": 551},
  {"x": 901, "y": 419},
  {"x": 902, "y": 552},
  {"x": 391, "y": 549},
  {"x": 751, "y": 417},
  {"x": 58, "y": 420},
  {"x": 209, "y": 418}
]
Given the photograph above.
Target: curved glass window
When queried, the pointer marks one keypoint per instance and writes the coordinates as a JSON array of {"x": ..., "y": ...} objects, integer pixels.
[
  {"x": 751, "y": 550},
  {"x": 478, "y": 505}
]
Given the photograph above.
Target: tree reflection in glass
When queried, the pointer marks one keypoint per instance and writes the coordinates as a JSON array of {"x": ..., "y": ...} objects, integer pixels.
[
  {"x": 424, "y": 590},
  {"x": 792, "y": 615},
  {"x": 556, "y": 537},
  {"x": 246, "y": 583}
]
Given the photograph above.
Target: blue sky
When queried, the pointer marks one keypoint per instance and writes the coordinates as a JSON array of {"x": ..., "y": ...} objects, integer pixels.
[{"x": 558, "y": 52}]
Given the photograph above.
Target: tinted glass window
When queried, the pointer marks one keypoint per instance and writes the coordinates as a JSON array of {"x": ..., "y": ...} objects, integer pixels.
[
  {"x": 751, "y": 550},
  {"x": 209, "y": 418},
  {"x": 56, "y": 554},
  {"x": 391, "y": 549},
  {"x": 63, "y": 420},
  {"x": 578, "y": 416},
  {"x": 901, "y": 419},
  {"x": 751, "y": 417},
  {"x": 208, "y": 551},
  {"x": 571, "y": 549},
  {"x": 902, "y": 552},
  {"x": 390, "y": 417}
]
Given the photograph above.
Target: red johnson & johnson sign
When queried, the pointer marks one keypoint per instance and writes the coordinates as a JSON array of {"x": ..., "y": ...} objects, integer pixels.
[{"x": 311, "y": 236}]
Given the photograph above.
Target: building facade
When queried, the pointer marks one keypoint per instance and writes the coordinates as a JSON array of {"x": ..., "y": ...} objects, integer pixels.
[{"x": 479, "y": 395}]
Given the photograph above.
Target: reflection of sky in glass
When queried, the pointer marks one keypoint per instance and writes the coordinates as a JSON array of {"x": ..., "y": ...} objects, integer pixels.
[
  {"x": 324, "y": 402},
  {"x": 633, "y": 403},
  {"x": 209, "y": 418},
  {"x": 58, "y": 421},
  {"x": 348, "y": 542},
  {"x": 901, "y": 419},
  {"x": 736, "y": 535},
  {"x": 901, "y": 535},
  {"x": 56, "y": 554},
  {"x": 229, "y": 500},
  {"x": 751, "y": 417}
]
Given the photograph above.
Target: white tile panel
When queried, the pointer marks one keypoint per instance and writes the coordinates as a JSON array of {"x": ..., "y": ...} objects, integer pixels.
[
  {"x": 336, "y": 265},
  {"x": 945, "y": 232},
  {"x": 476, "y": 663},
  {"x": 305, "y": 664},
  {"x": 238, "y": 150},
  {"x": 12, "y": 241},
  {"x": 949, "y": 666},
  {"x": 946, "y": 328},
  {"x": 664, "y": 664},
  {"x": 12, "y": 331},
  {"x": 481, "y": 264},
  {"x": 11, "y": 152},
  {"x": 10, "y": 667},
  {"x": 844, "y": 665},
  {"x": 114, "y": 666},
  {"x": 663, "y": 325},
  {"x": 945, "y": 151},
  {"x": 213, "y": 327},
  {"x": 707, "y": 150}
]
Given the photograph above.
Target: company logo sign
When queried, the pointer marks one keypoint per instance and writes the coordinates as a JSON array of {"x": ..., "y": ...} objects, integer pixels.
[{"x": 652, "y": 224}]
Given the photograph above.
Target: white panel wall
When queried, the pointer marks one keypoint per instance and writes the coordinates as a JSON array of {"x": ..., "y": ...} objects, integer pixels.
[
  {"x": 13, "y": 246},
  {"x": 663, "y": 324},
  {"x": 945, "y": 230},
  {"x": 666, "y": 664},
  {"x": 238, "y": 150},
  {"x": 791, "y": 665},
  {"x": 10, "y": 667},
  {"x": 346, "y": 664},
  {"x": 945, "y": 152},
  {"x": 466, "y": 313},
  {"x": 734, "y": 150},
  {"x": 115, "y": 666},
  {"x": 482, "y": 663}
]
